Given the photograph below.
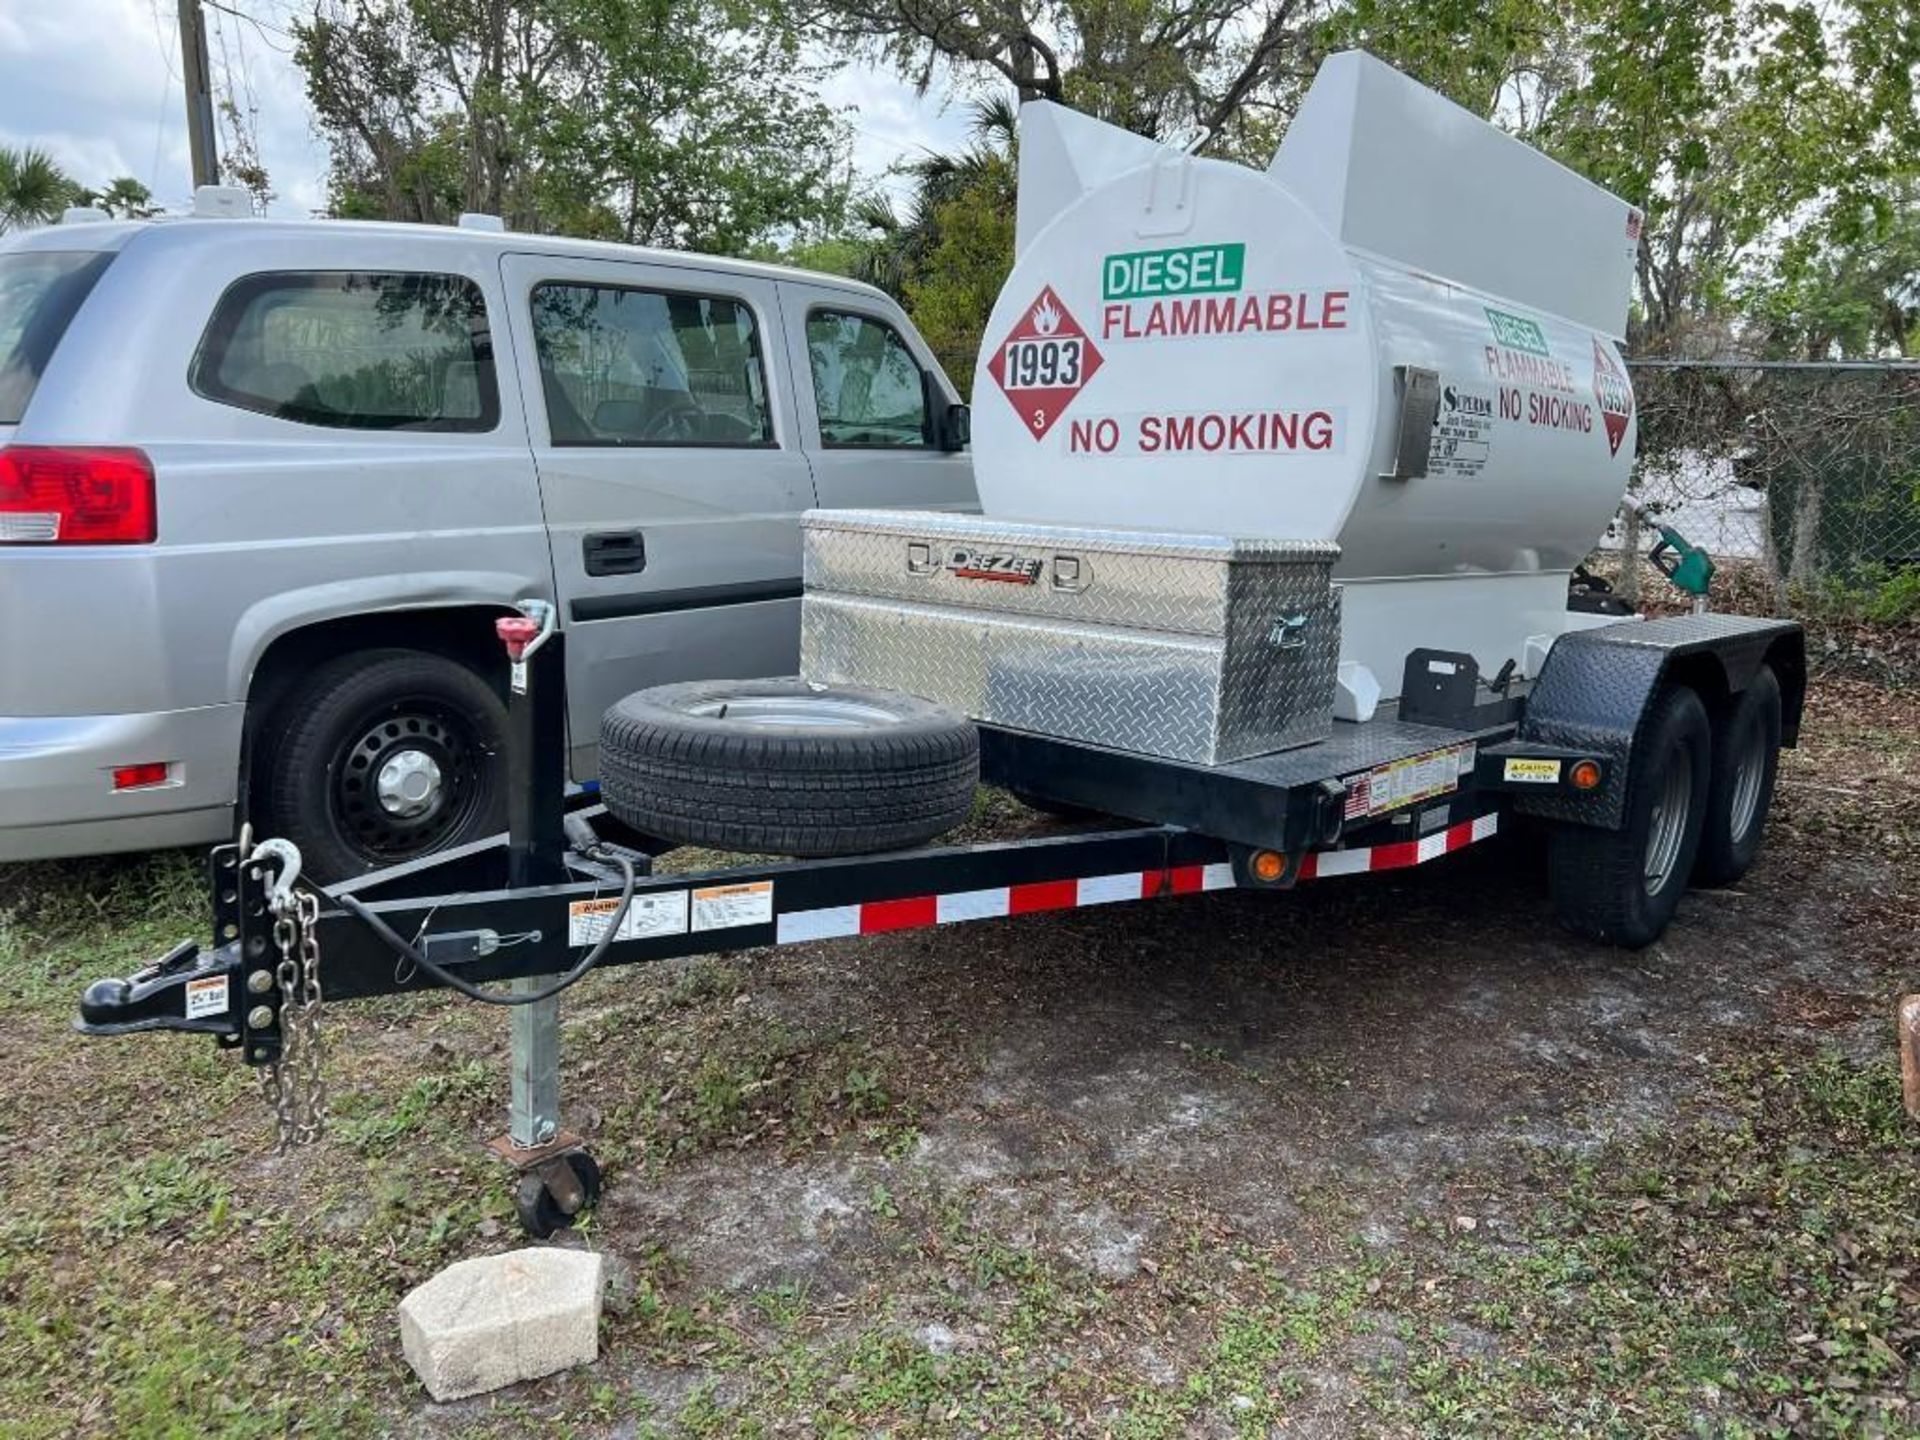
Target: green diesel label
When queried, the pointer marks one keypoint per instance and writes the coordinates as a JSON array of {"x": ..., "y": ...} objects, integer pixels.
[
  {"x": 1191, "y": 270},
  {"x": 1516, "y": 332}
]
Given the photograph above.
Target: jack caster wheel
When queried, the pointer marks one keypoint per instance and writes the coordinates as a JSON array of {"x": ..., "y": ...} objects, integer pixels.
[{"x": 555, "y": 1193}]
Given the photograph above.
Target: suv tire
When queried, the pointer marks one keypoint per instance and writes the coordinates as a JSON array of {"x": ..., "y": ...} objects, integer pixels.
[
  {"x": 782, "y": 767},
  {"x": 380, "y": 756},
  {"x": 1622, "y": 886}
]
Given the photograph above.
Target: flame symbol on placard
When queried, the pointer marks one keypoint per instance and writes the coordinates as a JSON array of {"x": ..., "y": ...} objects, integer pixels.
[{"x": 1046, "y": 318}]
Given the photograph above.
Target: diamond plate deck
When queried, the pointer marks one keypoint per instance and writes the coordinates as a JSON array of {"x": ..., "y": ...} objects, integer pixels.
[{"x": 1268, "y": 800}]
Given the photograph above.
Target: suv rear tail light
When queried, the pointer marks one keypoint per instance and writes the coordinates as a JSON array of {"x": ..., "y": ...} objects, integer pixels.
[{"x": 51, "y": 495}]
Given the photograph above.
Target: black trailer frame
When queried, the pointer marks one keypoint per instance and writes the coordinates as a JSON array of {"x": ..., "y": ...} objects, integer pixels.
[{"x": 1397, "y": 791}]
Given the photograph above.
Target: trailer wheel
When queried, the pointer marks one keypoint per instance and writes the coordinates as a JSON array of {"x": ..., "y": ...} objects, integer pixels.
[
  {"x": 1746, "y": 760},
  {"x": 547, "y": 1200},
  {"x": 782, "y": 767},
  {"x": 1622, "y": 886}
]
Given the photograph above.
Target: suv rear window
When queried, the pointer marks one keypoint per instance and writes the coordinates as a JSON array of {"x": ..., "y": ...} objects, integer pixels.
[
  {"x": 354, "y": 350},
  {"x": 40, "y": 291}
]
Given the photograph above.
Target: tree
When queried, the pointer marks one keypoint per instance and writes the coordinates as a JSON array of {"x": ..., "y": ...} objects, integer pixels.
[
  {"x": 665, "y": 122},
  {"x": 33, "y": 189},
  {"x": 124, "y": 198},
  {"x": 1160, "y": 68},
  {"x": 947, "y": 257}
]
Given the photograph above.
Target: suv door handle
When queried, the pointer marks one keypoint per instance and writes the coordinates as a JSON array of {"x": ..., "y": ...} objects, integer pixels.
[{"x": 615, "y": 552}]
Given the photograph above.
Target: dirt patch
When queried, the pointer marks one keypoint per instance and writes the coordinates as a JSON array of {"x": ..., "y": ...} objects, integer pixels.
[{"x": 1381, "y": 1156}]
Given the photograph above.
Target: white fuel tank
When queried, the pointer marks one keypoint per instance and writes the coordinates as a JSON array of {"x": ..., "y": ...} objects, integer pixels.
[{"x": 1192, "y": 345}]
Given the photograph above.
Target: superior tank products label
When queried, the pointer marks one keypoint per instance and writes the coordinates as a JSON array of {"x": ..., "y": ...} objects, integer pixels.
[{"x": 1462, "y": 432}]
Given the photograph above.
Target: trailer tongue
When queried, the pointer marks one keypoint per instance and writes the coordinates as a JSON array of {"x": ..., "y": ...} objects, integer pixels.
[{"x": 1285, "y": 476}]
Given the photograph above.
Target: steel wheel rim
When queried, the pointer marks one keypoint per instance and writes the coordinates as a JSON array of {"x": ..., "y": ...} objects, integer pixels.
[
  {"x": 1744, "y": 808},
  {"x": 1667, "y": 826},
  {"x": 814, "y": 712},
  {"x": 440, "y": 735}
]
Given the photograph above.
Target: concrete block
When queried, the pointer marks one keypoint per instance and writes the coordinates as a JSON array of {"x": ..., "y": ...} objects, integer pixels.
[{"x": 498, "y": 1319}]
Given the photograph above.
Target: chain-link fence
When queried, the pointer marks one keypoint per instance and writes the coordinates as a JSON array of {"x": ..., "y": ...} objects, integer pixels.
[{"x": 1801, "y": 480}]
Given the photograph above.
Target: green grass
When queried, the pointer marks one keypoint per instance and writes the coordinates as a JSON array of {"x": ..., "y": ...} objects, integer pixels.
[{"x": 1751, "y": 1268}]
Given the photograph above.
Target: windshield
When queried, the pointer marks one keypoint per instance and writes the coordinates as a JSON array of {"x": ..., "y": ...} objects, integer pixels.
[{"x": 39, "y": 292}]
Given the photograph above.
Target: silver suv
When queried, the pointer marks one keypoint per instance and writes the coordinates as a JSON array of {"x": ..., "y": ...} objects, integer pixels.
[{"x": 265, "y": 486}]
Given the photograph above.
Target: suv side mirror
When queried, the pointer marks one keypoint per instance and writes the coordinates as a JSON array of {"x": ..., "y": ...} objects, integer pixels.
[{"x": 949, "y": 423}]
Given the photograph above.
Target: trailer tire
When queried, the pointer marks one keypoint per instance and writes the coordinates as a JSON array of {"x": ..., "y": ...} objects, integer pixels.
[
  {"x": 1621, "y": 887},
  {"x": 782, "y": 767},
  {"x": 1746, "y": 761}
]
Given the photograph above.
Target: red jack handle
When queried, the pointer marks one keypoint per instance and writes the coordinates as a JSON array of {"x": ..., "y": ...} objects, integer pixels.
[{"x": 516, "y": 632}]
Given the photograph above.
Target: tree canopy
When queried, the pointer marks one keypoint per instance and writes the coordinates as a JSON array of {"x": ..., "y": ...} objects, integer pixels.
[
  {"x": 666, "y": 122},
  {"x": 1774, "y": 146},
  {"x": 33, "y": 189}
]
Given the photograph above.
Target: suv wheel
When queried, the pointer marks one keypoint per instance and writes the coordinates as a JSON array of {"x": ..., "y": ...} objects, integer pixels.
[{"x": 381, "y": 756}]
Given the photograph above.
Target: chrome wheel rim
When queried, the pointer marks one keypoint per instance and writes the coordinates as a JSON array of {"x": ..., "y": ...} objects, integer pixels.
[
  {"x": 1748, "y": 772},
  {"x": 1667, "y": 826},
  {"x": 816, "y": 712}
]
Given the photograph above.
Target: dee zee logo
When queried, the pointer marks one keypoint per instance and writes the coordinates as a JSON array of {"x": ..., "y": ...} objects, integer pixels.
[{"x": 967, "y": 563}]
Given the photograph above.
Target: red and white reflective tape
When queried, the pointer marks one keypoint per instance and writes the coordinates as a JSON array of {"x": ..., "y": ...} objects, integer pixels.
[
  {"x": 1321, "y": 864},
  {"x": 877, "y": 917}
]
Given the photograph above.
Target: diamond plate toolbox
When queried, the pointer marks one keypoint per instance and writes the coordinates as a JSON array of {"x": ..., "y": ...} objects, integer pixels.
[{"x": 1190, "y": 647}]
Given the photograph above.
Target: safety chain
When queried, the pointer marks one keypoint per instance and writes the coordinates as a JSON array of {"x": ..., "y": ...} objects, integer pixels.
[{"x": 295, "y": 1085}]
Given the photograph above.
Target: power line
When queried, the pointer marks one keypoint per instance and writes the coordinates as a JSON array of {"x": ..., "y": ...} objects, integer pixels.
[{"x": 262, "y": 26}]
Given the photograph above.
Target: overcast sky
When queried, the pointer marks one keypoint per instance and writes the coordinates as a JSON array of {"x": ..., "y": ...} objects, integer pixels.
[{"x": 97, "y": 83}]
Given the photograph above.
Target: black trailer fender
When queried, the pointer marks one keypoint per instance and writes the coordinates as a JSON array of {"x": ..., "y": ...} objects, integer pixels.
[{"x": 1597, "y": 688}]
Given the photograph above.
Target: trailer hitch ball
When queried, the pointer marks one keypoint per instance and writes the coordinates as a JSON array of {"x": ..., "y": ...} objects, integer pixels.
[{"x": 105, "y": 1001}]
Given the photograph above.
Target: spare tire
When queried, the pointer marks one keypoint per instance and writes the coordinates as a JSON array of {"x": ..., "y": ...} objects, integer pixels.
[{"x": 784, "y": 767}]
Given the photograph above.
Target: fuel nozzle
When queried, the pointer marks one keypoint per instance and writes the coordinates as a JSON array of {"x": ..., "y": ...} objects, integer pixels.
[{"x": 1688, "y": 568}]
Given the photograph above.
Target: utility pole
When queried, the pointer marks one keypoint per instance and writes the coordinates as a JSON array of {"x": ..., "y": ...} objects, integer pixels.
[{"x": 194, "y": 70}]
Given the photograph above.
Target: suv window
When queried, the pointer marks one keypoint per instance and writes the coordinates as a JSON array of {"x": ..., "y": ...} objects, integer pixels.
[
  {"x": 356, "y": 350},
  {"x": 622, "y": 366},
  {"x": 40, "y": 291},
  {"x": 869, "y": 388}
]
